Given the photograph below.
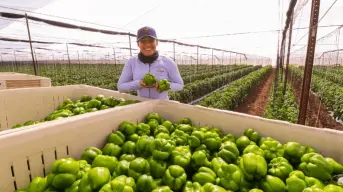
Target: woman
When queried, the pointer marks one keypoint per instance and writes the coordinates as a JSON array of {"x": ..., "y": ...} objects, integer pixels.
[{"x": 149, "y": 61}]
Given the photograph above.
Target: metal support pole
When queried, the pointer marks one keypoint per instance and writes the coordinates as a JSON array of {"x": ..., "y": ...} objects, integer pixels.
[
  {"x": 212, "y": 58},
  {"x": 130, "y": 44},
  {"x": 33, "y": 58},
  {"x": 68, "y": 54},
  {"x": 311, "y": 47},
  {"x": 78, "y": 58},
  {"x": 197, "y": 58},
  {"x": 15, "y": 61},
  {"x": 288, "y": 54},
  {"x": 174, "y": 51},
  {"x": 222, "y": 57}
]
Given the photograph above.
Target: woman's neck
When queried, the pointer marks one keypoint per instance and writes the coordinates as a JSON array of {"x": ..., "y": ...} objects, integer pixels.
[{"x": 148, "y": 59}]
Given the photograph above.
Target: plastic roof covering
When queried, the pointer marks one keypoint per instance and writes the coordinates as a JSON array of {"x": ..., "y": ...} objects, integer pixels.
[{"x": 172, "y": 20}]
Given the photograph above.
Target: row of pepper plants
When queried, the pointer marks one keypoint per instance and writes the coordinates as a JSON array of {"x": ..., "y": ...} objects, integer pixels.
[
  {"x": 160, "y": 155},
  {"x": 234, "y": 94},
  {"x": 329, "y": 93},
  {"x": 106, "y": 75},
  {"x": 282, "y": 107},
  {"x": 329, "y": 73},
  {"x": 200, "y": 88}
]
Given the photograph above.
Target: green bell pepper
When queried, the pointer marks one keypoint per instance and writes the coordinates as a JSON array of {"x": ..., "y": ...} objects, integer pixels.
[
  {"x": 128, "y": 181},
  {"x": 309, "y": 189},
  {"x": 129, "y": 147},
  {"x": 145, "y": 183},
  {"x": 191, "y": 187},
  {"x": 143, "y": 129},
  {"x": 153, "y": 115},
  {"x": 157, "y": 167},
  {"x": 253, "y": 166},
  {"x": 228, "y": 151},
  {"x": 133, "y": 137},
  {"x": 175, "y": 177},
  {"x": 255, "y": 190},
  {"x": 280, "y": 167},
  {"x": 293, "y": 151},
  {"x": 252, "y": 135},
  {"x": 337, "y": 167},
  {"x": 272, "y": 149},
  {"x": 74, "y": 187},
  {"x": 315, "y": 165},
  {"x": 109, "y": 162},
  {"x": 161, "y": 149},
  {"x": 272, "y": 184},
  {"x": 127, "y": 157},
  {"x": 117, "y": 138},
  {"x": 181, "y": 155},
  {"x": 196, "y": 138},
  {"x": 333, "y": 188},
  {"x": 163, "y": 136},
  {"x": 121, "y": 183},
  {"x": 229, "y": 137},
  {"x": 84, "y": 168},
  {"x": 242, "y": 142},
  {"x": 163, "y": 85},
  {"x": 161, "y": 129},
  {"x": 254, "y": 149},
  {"x": 162, "y": 189},
  {"x": 143, "y": 145},
  {"x": 95, "y": 179},
  {"x": 185, "y": 128},
  {"x": 297, "y": 182},
  {"x": 38, "y": 184},
  {"x": 111, "y": 101},
  {"x": 185, "y": 120},
  {"x": 112, "y": 150},
  {"x": 231, "y": 177},
  {"x": 180, "y": 137},
  {"x": 217, "y": 162},
  {"x": 94, "y": 104},
  {"x": 64, "y": 173},
  {"x": 127, "y": 127},
  {"x": 85, "y": 98},
  {"x": 199, "y": 159},
  {"x": 204, "y": 175},
  {"x": 212, "y": 140},
  {"x": 122, "y": 168},
  {"x": 209, "y": 187},
  {"x": 138, "y": 167},
  {"x": 153, "y": 123},
  {"x": 169, "y": 125},
  {"x": 115, "y": 186}
]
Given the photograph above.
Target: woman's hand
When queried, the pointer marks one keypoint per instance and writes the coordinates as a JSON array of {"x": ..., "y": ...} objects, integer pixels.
[{"x": 148, "y": 86}]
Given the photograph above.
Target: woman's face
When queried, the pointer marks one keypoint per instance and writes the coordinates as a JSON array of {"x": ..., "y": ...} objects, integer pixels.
[{"x": 147, "y": 46}]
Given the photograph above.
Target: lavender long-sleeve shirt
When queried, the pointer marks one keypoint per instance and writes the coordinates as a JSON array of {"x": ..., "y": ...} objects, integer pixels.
[{"x": 163, "y": 68}]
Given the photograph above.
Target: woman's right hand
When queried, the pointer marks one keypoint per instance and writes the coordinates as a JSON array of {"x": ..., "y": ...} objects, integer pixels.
[{"x": 147, "y": 86}]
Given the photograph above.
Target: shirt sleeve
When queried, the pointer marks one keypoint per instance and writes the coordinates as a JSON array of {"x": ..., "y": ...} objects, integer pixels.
[
  {"x": 126, "y": 82},
  {"x": 176, "y": 82}
]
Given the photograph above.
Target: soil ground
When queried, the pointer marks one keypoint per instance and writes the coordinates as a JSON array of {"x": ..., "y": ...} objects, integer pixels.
[
  {"x": 321, "y": 120},
  {"x": 256, "y": 102}
]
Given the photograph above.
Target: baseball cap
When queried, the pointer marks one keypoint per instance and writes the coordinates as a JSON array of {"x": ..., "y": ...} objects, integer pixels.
[{"x": 146, "y": 31}]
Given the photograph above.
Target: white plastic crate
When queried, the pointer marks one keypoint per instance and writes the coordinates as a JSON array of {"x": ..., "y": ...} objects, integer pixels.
[
  {"x": 31, "y": 152},
  {"x": 21, "y": 105},
  {"x": 11, "y": 80}
]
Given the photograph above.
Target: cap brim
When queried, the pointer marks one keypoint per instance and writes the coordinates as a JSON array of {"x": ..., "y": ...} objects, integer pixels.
[{"x": 146, "y": 36}]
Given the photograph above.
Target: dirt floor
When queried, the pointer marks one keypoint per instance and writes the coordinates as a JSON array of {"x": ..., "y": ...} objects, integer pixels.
[
  {"x": 256, "y": 102},
  {"x": 321, "y": 120}
]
